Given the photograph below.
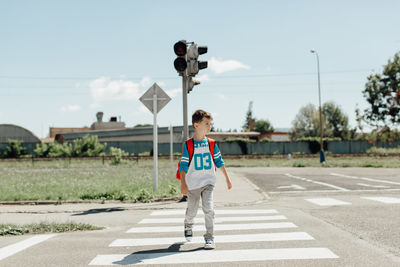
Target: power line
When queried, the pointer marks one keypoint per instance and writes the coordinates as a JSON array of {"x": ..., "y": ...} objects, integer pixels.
[
  {"x": 214, "y": 85},
  {"x": 169, "y": 78}
]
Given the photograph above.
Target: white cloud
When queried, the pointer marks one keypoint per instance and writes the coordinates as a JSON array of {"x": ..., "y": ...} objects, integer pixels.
[
  {"x": 70, "y": 108},
  {"x": 220, "y": 66},
  {"x": 106, "y": 89},
  {"x": 174, "y": 92}
]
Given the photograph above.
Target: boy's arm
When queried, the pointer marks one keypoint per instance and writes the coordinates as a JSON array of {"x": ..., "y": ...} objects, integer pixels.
[
  {"x": 183, "y": 169},
  {"x": 219, "y": 163},
  {"x": 227, "y": 180},
  {"x": 184, "y": 187}
]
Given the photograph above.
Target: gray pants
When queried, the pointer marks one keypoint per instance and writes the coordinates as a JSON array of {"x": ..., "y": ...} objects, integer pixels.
[{"x": 206, "y": 194}]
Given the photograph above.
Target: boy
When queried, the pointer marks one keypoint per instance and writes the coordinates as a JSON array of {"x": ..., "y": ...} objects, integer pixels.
[{"x": 198, "y": 176}]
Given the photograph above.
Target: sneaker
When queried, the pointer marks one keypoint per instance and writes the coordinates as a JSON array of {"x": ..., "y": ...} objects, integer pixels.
[
  {"x": 188, "y": 234},
  {"x": 209, "y": 244},
  {"x": 183, "y": 199}
]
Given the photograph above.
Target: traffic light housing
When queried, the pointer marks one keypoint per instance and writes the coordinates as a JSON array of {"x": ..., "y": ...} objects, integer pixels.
[
  {"x": 180, "y": 49},
  {"x": 193, "y": 65},
  {"x": 191, "y": 84}
]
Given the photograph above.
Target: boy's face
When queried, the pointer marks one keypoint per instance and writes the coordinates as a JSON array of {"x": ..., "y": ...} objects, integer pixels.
[{"x": 203, "y": 127}]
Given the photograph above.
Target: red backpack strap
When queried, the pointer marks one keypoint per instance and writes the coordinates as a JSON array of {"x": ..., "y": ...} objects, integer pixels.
[
  {"x": 211, "y": 145},
  {"x": 190, "y": 148}
]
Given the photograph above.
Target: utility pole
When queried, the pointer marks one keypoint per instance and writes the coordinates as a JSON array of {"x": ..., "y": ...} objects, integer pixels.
[{"x": 321, "y": 152}]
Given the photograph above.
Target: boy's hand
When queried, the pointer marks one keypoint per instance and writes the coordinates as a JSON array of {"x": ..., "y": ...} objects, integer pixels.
[
  {"x": 229, "y": 184},
  {"x": 184, "y": 189}
]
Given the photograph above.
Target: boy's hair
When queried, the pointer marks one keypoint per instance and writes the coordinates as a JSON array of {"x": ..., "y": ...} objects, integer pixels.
[{"x": 199, "y": 115}]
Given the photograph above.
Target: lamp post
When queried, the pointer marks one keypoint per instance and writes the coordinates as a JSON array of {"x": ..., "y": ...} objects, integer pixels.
[{"x": 321, "y": 152}]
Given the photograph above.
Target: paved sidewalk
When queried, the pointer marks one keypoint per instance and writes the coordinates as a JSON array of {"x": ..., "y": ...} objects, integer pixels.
[{"x": 243, "y": 192}]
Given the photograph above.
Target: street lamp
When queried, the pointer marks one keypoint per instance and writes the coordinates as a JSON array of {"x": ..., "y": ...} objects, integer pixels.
[{"x": 321, "y": 152}]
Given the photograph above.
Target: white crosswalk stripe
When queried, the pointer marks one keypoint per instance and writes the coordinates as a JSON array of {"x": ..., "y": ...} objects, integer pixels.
[
  {"x": 203, "y": 256},
  {"x": 218, "y": 212},
  {"x": 218, "y": 239},
  {"x": 336, "y": 202},
  {"x": 386, "y": 200},
  {"x": 327, "y": 201},
  {"x": 17, "y": 247},
  {"x": 162, "y": 255},
  {"x": 217, "y": 220},
  {"x": 217, "y": 227}
]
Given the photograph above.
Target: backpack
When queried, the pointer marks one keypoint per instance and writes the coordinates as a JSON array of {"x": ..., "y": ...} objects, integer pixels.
[{"x": 190, "y": 147}]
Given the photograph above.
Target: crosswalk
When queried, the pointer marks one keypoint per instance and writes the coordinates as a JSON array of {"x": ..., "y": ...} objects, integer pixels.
[
  {"x": 252, "y": 230},
  {"x": 326, "y": 201}
]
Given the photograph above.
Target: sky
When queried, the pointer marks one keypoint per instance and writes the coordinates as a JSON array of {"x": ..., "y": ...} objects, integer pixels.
[{"x": 63, "y": 61}]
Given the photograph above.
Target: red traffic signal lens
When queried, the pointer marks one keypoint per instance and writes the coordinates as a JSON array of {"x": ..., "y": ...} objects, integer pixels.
[{"x": 180, "y": 48}]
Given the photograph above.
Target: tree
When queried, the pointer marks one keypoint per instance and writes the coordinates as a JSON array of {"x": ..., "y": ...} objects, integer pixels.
[
  {"x": 263, "y": 126},
  {"x": 306, "y": 123},
  {"x": 336, "y": 123},
  {"x": 382, "y": 92},
  {"x": 249, "y": 117}
]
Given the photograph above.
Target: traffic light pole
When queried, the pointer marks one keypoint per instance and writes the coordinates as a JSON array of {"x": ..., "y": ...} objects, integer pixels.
[
  {"x": 187, "y": 65},
  {"x": 185, "y": 117}
]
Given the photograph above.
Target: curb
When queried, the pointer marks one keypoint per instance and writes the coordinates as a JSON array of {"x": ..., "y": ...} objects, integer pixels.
[{"x": 56, "y": 202}]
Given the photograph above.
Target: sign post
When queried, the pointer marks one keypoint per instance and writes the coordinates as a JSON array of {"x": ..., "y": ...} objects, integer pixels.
[
  {"x": 155, "y": 99},
  {"x": 171, "y": 144}
]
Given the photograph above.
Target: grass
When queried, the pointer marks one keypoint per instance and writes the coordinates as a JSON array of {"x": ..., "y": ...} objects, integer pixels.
[
  {"x": 132, "y": 181},
  {"x": 381, "y": 150},
  {"x": 86, "y": 180},
  {"x": 41, "y": 228},
  {"x": 342, "y": 162}
]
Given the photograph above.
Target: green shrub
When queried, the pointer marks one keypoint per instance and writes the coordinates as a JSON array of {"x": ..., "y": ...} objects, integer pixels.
[
  {"x": 317, "y": 139},
  {"x": 117, "y": 154},
  {"x": 53, "y": 150},
  {"x": 298, "y": 165},
  {"x": 88, "y": 146},
  {"x": 266, "y": 140},
  {"x": 14, "y": 149},
  {"x": 144, "y": 196},
  {"x": 239, "y": 139}
]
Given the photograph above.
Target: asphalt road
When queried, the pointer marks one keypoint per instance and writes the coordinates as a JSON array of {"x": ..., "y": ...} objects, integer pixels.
[
  {"x": 364, "y": 202},
  {"x": 313, "y": 217}
]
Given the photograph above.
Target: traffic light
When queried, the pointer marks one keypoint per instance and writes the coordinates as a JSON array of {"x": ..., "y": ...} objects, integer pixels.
[
  {"x": 180, "y": 63},
  {"x": 191, "y": 84},
  {"x": 193, "y": 64}
]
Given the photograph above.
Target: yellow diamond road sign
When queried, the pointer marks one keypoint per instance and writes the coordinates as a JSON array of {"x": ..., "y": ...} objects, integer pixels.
[{"x": 159, "y": 94}]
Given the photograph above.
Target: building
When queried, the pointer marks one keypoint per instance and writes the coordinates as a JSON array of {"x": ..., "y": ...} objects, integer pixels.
[
  {"x": 136, "y": 134},
  {"x": 113, "y": 124},
  {"x": 115, "y": 131},
  {"x": 279, "y": 135},
  {"x": 14, "y": 132}
]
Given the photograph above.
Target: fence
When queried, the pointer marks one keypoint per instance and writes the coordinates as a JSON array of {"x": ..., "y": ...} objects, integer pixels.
[{"x": 242, "y": 148}]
